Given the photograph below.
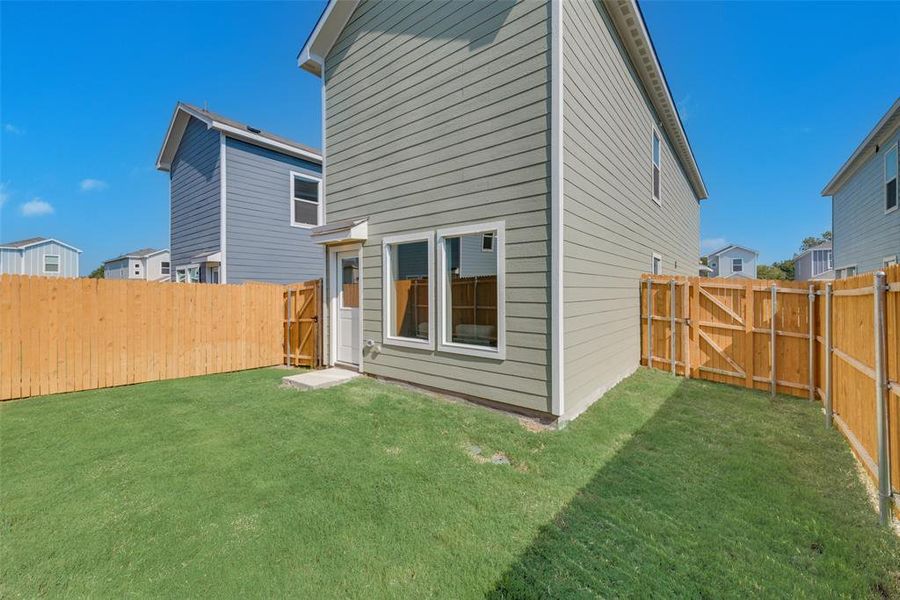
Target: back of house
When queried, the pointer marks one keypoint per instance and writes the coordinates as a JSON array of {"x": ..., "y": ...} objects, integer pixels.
[
  {"x": 243, "y": 201},
  {"x": 39, "y": 256},
  {"x": 814, "y": 263},
  {"x": 498, "y": 177},
  {"x": 733, "y": 261},
  {"x": 865, "y": 199},
  {"x": 148, "y": 264}
]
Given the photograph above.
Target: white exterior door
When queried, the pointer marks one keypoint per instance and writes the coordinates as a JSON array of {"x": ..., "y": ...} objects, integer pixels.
[{"x": 348, "y": 307}]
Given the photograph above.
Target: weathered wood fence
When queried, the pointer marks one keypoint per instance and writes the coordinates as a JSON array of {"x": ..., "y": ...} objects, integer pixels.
[
  {"x": 64, "y": 335},
  {"x": 838, "y": 342}
]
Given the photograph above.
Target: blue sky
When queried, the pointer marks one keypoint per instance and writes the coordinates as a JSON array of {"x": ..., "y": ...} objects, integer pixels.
[{"x": 774, "y": 97}]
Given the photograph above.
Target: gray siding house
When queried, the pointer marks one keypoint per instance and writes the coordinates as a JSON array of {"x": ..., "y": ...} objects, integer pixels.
[
  {"x": 540, "y": 137},
  {"x": 243, "y": 201},
  {"x": 149, "y": 264},
  {"x": 815, "y": 263},
  {"x": 864, "y": 201},
  {"x": 733, "y": 261},
  {"x": 39, "y": 256}
]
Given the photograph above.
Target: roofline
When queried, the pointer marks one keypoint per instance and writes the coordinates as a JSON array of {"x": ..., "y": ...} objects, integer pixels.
[
  {"x": 729, "y": 247},
  {"x": 135, "y": 256},
  {"x": 326, "y": 32},
  {"x": 44, "y": 241},
  {"x": 176, "y": 130},
  {"x": 808, "y": 250},
  {"x": 626, "y": 14},
  {"x": 850, "y": 166}
]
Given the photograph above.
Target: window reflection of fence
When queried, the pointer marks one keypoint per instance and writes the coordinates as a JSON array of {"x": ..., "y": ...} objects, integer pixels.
[
  {"x": 350, "y": 298},
  {"x": 411, "y": 307},
  {"x": 473, "y": 312}
]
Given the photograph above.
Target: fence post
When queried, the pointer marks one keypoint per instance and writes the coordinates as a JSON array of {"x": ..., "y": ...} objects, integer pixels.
[
  {"x": 884, "y": 471},
  {"x": 772, "y": 334},
  {"x": 287, "y": 333},
  {"x": 685, "y": 327},
  {"x": 695, "y": 328},
  {"x": 812, "y": 343},
  {"x": 650, "y": 323},
  {"x": 829, "y": 414},
  {"x": 748, "y": 334},
  {"x": 672, "y": 322}
]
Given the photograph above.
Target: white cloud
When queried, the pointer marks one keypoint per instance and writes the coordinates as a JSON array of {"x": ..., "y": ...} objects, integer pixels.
[
  {"x": 36, "y": 208},
  {"x": 710, "y": 244},
  {"x": 93, "y": 185},
  {"x": 10, "y": 128}
]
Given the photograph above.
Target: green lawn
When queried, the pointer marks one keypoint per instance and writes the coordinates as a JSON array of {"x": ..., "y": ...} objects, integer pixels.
[{"x": 227, "y": 486}]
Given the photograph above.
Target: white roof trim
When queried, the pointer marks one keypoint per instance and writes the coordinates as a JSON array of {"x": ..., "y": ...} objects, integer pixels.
[
  {"x": 333, "y": 20},
  {"x": 730, "y": 246},
  {"x": 179, "y": 122},
  {"x": 884, "y": 125},
  {"x": 342, "y": 232},
  {"x": 38, "y": 243},
  {"x": 633, "y": 31}
]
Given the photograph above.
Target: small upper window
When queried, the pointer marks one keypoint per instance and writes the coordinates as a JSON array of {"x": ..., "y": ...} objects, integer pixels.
[
  {"x": 891, "y": 166},
  {"x": 656, "y": 265},
  {"x": 51, "y": 263},
  {"x": 305, "y": 200},
  {"x": 655, "y": 168},
  {"x": 164, "y": 268},
  {"x": 737, "y": 265},
  {"x": 487, "y": 242}
]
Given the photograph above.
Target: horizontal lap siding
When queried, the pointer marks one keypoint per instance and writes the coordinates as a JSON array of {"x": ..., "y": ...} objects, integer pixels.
[
  {"x": 611, "y": 224},
  {"x": 195, "y": 195},
  {"x": 260, "y": 243},
  {"x": 863, "y": 234},
  {"x": 438, "y": 115}
]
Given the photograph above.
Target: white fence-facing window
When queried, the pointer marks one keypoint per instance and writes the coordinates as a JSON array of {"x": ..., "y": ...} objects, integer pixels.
[
  {"x": 891, "y": 191},
  {"x": 306, "y": 204},
  {"x": 656, "y": 152},
  {"x": 737, "y": 265},
  {"x": 472, "y": 290},
  {"x": 187, "y": 274},
  {"x": 656, "y": 264},
  {"x": 51, "y": 263},
  {"x": 409, "y": 290}
]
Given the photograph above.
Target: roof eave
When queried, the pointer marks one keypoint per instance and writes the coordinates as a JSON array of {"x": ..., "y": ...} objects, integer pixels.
[{"x": 326, "y": 32}]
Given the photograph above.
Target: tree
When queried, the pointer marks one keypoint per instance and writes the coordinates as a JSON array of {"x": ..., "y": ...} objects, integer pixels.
[
  {"x": 769, "y": 272},
  {"x": 98, "y": 273},
  {"x": 786, "y": 267},
  {"x": 809, "y": 242}
]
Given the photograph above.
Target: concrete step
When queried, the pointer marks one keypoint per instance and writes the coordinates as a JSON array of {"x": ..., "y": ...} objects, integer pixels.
[{"x": 317, "y": 380}]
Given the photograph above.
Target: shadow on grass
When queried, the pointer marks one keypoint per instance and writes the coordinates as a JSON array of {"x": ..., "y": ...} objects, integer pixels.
[{"x": 723, "y": 492}]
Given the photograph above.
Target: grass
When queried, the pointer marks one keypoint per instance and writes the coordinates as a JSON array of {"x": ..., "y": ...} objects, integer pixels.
[{"x": 229, "y": 486}]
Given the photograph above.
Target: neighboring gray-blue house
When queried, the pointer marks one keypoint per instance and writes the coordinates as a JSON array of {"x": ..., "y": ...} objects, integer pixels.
[
  {"x": 39, "y": 256},
  {"x": 865, "y": 200},
  {"x": 242, "y": 201},
  {"x": 815, "y": 263}
]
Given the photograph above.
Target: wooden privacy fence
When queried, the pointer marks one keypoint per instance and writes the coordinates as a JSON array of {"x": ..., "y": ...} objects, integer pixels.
[
  {"x": 838, "y": 342},
  {"x": 302, "y": 325},
  {"x": 64, "y": 335}
]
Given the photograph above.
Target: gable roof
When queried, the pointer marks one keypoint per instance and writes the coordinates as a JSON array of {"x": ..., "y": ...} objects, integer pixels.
[
  {"x": 231, "y": 128},
  {"x": 826, "y": 245},
  {"x": 142, "y": 253},
  {"x": 35, "y": 241},
  {"x": 730, "y": 246},
  {"x": 885, "y": 125},
  {"x": 629, "y": 22}
]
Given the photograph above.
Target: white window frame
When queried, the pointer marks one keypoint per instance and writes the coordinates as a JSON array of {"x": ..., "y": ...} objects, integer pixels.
[
  {"x": 58, "y": 264},
  {"x": 321, "y": 206},
  {"x": 888, "y": 261},
  {"x": 841, "y": 272},
  {"x": 653, "y": 258},
  {"x": 654, "y": 134},
  {"x": 734, "y": 260},
  {"x": 186, "y": 269},
  {"x": 491, "y": 237},
  {"x": 388, "y": 287},
  {"x": 884, "y": 180},
  {"x": 443, "y": 344},
  {"x": 165, "y": 267}
]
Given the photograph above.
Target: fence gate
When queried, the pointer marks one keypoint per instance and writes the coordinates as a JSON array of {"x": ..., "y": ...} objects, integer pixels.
[{"x": 302, "y": 326}]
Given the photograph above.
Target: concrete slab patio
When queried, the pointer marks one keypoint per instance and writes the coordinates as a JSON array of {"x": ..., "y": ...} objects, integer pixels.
[{"x": 317, "y": 380}]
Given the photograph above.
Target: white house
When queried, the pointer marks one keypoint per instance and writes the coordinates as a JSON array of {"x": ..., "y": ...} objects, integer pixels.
[
  {"x": 39, "y": 256},
  {"x": 733, "y": 261},
  {"x": 147, "y": 263}
]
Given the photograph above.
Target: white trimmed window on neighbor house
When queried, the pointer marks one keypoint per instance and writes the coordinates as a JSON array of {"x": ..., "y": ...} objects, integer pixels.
[
  {"x": 51, "y": 263},
  {"x": 306, "y": 193},
  {"x": 737, "y": 265}
]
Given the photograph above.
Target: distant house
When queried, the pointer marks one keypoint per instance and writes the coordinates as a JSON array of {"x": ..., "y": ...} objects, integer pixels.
[
  {"x": 815, "y": 263},
  {"x": 243, "y": 201},
  {"x": 865, "y": 199},
  {"x": 147, "y": 263},
  {"x": 39, "y": 256},
  {"x": 733, "y": 261},
  {"x": 499, "y": 176}
]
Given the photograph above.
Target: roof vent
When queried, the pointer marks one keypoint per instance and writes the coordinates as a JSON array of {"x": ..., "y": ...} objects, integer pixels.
[{"x": 253, "y": 129}]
